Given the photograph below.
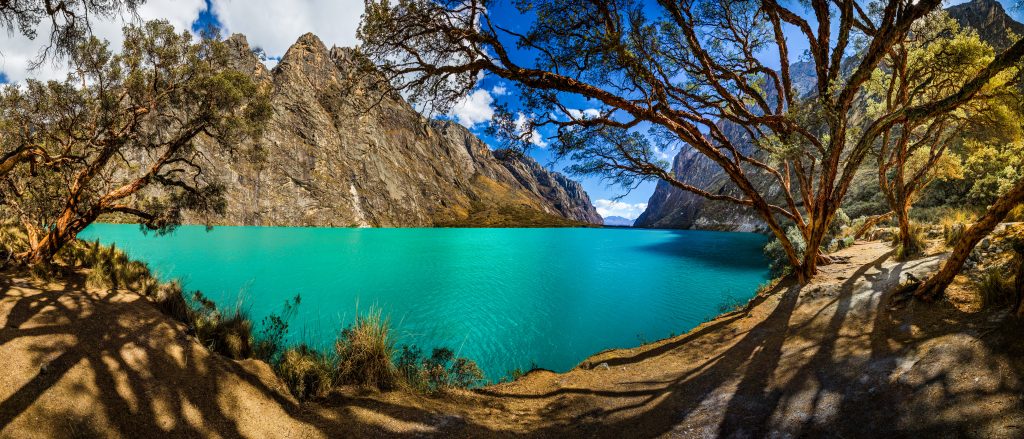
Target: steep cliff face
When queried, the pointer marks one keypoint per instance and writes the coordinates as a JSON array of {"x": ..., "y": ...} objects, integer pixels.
[
  {"x": 670, "y": 207},
  {"x": 673, "y": 208},
  {"x": 989, "y": 19},
  {"x": 339, "y": 152}
]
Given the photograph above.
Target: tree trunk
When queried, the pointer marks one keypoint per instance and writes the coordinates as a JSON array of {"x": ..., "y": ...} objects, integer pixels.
[
  {"x": 935, "y": 286},
  {"x": 812, "y": 246},
  {"x": 906, "y": 240},
  {"x": 1018, "y": 284},
  {"x": 64, "y": 231},
  {"x": 870, "y": 223}
]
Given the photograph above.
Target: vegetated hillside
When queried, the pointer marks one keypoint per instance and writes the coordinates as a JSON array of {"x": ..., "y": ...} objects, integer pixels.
[
  {"x": 670, "y": 207},
  {"x": 341, "y": 151}
]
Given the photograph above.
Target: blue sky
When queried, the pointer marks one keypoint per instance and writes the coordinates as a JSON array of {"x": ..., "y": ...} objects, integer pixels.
[{"x": 274, "y": 25}]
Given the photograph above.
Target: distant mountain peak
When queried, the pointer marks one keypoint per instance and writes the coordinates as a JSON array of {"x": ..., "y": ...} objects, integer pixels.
[
  {"x": 989, "y": 19},
  {"x": 618, "y": 221}
]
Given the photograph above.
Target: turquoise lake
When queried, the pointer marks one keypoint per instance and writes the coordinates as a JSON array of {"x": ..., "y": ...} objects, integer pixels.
[{"x": 505, "y": 298}]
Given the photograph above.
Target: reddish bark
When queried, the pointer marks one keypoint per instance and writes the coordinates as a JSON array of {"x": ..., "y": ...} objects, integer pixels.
[{"x": 935, "y": 286}]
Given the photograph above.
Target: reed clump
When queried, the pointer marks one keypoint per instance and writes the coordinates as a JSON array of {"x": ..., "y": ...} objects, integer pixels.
[{"x": 366, "y": 351}]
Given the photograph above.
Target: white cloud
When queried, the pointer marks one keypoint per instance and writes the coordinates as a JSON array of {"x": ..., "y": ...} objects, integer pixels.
[
  {"x": 588, "y": 113},
  {"x": 523, "y": 125},
  {"x": 609, "y": 208},
  {"x": 17, "y": 52},
  {"x": 499, "y": 90},
  {"x": 275, "y": 25},
  {"x": 473, "y": 109}
]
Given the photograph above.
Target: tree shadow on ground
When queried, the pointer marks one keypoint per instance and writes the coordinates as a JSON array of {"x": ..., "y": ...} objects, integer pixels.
[
  {"x": 819, "y": 362},
  {"x": 109, "y": 364}
]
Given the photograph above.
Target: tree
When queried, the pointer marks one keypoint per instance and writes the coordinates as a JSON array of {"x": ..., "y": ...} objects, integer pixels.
[
  {"x": 69, "y": 19},
  {"x": 119, "y": 136},
  {"x": 936, "y": 285},
  {"x": 700, "y": 72},
  {"x": 935, "y": 60},
  {"x": 69, "y": 26}
]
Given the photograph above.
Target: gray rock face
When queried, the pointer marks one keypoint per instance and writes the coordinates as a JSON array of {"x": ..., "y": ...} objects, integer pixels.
[
  {"x": 340, "y": 152},
  {"x": 673, "y": 208},
  {"x": 990, "y": 19},
  {"x": 670, "y": 207}
]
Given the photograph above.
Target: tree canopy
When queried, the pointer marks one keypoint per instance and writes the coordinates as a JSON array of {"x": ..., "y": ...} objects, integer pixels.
[
  {"x": 719, "y": 76},
  {"x": 120, "y": 135},
  {"x": 69, "y": 20}
]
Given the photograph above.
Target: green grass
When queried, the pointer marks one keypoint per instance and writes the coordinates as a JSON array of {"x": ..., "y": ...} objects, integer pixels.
[
  {"x": 995, "y": 288},
  {"x": 917, "y": 243}
]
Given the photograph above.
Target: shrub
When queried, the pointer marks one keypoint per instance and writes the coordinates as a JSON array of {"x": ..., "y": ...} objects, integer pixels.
[
  {"x": 995, "y": 288},
  {"x": 13, "y": 240},
  {"x": 269, "y": 340},
  {"x": 365, "y": 351},
  {"x": 917, "y": 243},
  {"x": 170, "y": 299},
  {"x": 730, "y": 304},
  {"x": 307, "y": 373},
  {"x": 1015, "y": 215},
  {"x": 778, "y": 263},
  {"x": 229, "y": 334},
  {"x": 439, "y": 372},
  {"x": 952, "y": 234},
  {"x": 112, "y": 269},
  {"x": 839, "y": 222}
]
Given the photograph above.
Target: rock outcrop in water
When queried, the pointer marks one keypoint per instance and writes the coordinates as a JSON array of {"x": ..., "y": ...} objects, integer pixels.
[
  {"x": 339, "y": 151},
  {"x": 670, "y": 207}
]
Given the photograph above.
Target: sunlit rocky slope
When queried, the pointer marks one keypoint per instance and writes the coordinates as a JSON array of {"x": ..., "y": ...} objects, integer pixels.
[{"x": 340, "y": 152}]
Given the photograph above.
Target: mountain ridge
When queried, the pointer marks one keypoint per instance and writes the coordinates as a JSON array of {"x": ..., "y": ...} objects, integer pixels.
[{"x": 340, "y": 150}]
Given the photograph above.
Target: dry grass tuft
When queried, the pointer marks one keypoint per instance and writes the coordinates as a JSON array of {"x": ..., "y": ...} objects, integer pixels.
[
  {"x": 365, "y": 352},
  {"x": 916, "y": 246},
  {"x": 307, "y": 373}
]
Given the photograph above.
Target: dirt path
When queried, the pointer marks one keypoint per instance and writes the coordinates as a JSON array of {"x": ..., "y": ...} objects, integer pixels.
[{"x": 822, "y": 360}]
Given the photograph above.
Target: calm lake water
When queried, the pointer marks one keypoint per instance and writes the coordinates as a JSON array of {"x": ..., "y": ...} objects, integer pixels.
[{"x": 505, "y": 298}]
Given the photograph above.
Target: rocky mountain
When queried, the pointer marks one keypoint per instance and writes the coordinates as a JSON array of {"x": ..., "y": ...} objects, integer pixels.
[
  {"x": 618, "y": 221},
  {"x": 670, "y": 207},
  {"x": 340, "y": 151},
  {"x": 990, "y": 20}
]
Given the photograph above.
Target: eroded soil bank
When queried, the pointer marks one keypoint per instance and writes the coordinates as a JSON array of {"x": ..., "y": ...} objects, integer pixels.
[{"x": 832, "y": 358}]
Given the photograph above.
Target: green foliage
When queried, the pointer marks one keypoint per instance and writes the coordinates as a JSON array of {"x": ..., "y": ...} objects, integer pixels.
[
  {"x": 1015, "y": 215},
  {"x": 731, "y": 303},
  {"x": 269, "y": 339},
  {"x": 365, "y": 351},
  {"x": 839, "y": 222},
  {"x": 996, "y": 288},
  {"x": 438, "y": 372},
  {"x": 778, "y": 263},
  {"x": 65, "y": 23},
  {"x": 992, "y": 168},
  {"x": 953, "y": 233},
  {"x": 13, "y": 240},
  {"x": 112, "y": 269},
  {"x": 120, "y": 135}
]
